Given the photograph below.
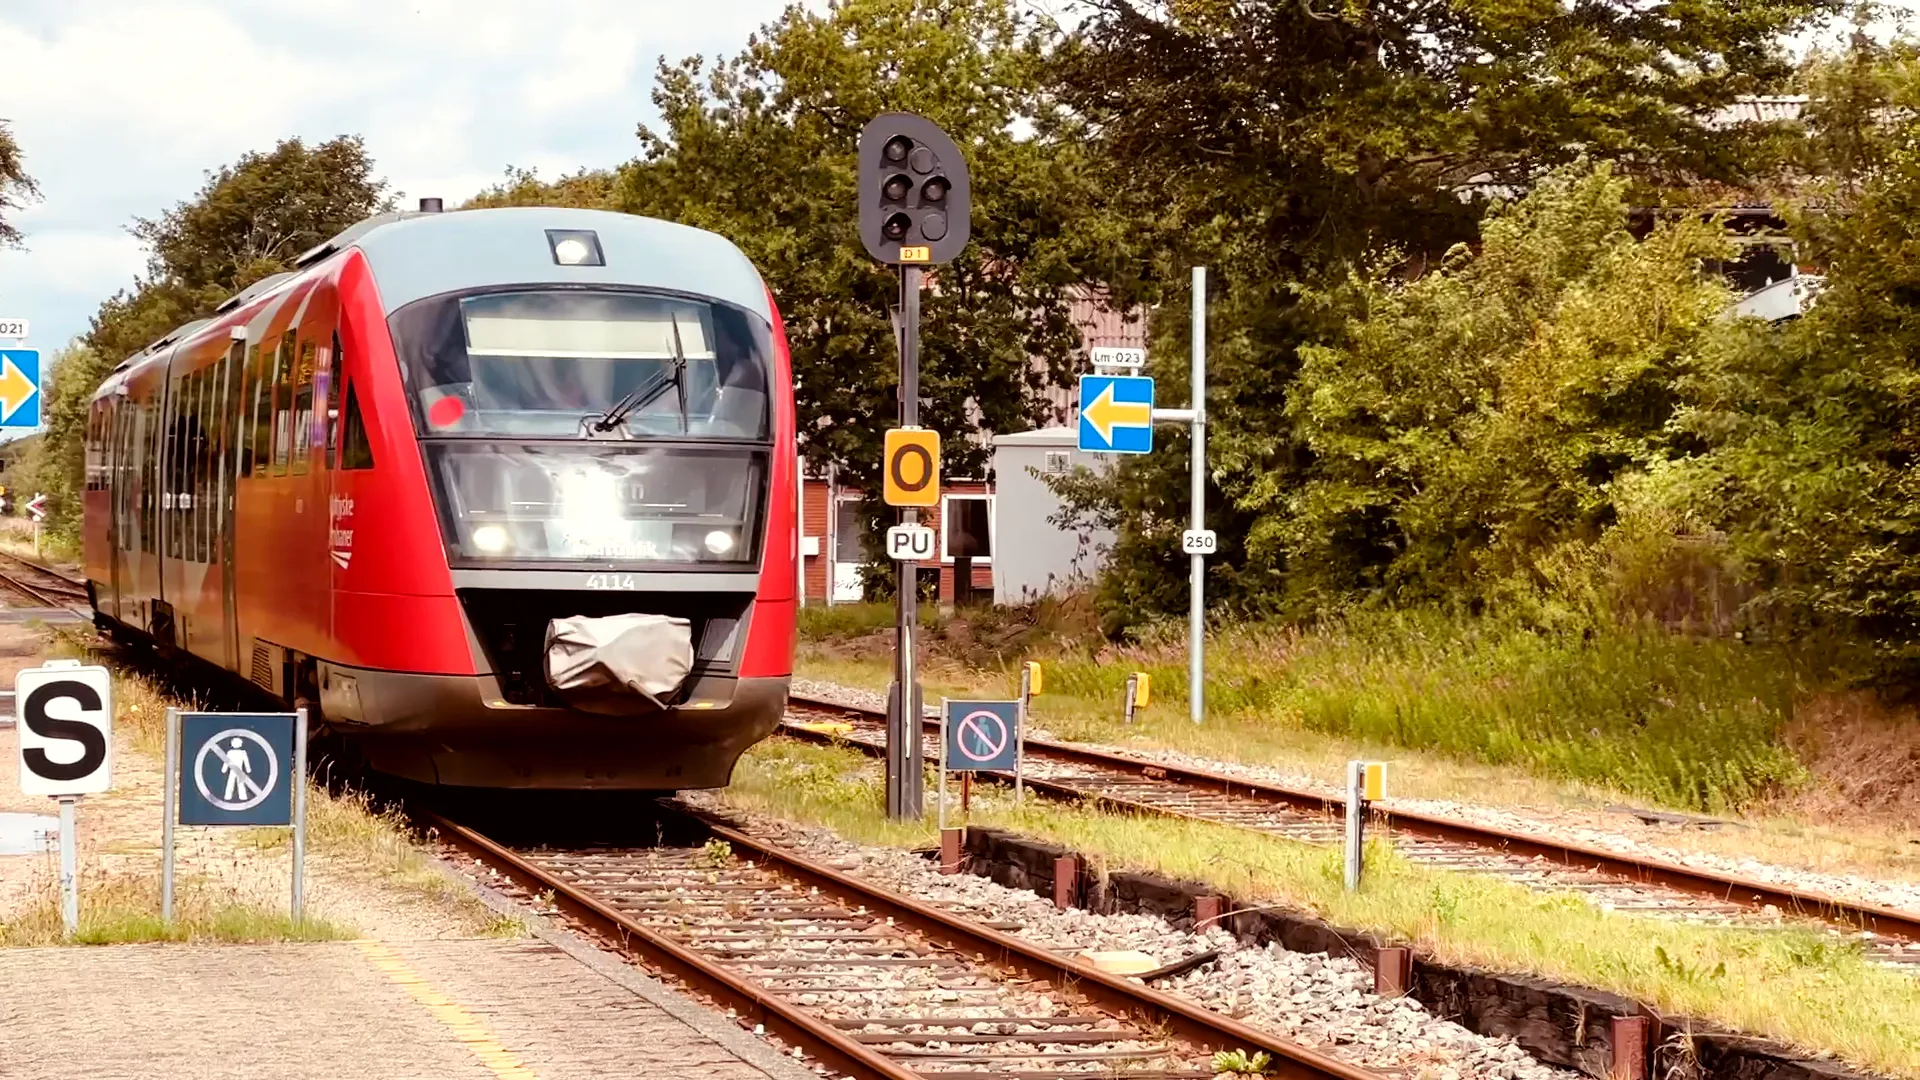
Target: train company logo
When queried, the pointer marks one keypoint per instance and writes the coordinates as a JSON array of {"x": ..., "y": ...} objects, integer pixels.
[{"x": 340, "y": 540}]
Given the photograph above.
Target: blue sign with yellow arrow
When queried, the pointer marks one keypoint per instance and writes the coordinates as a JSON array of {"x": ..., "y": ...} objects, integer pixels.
[
  {"x": 1116, "y": 414},
  {"x": 19, "y": 388}
]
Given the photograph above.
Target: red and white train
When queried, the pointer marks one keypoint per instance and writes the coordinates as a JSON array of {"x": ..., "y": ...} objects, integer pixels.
[{"x": 372, "y": 486}]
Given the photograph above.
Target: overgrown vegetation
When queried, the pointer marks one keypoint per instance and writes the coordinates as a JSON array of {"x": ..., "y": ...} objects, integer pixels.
[
  {"x": 1800, "y": 985},
  {"x": 1689, "y": 721}
]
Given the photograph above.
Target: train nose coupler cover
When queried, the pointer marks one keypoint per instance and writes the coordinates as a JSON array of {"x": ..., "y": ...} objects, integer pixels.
[{"x": 603, "y": 664}]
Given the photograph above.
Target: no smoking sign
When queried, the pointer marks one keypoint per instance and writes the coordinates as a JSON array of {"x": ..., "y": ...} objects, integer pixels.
[{"x": 982, "y": 736}]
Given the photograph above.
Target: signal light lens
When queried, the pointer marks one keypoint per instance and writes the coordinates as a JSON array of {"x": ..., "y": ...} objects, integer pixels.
[
  {"x": 934, "y": 190},
  {"x": 896, "y": 227},
  {"x": 897, "y": 148},
  {"x": 933, "y": 225},
  {"x": 896, "y": 188}
]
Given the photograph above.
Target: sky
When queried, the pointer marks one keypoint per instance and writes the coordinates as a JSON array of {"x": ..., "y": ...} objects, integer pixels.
[{"x": 121, "y": 107}]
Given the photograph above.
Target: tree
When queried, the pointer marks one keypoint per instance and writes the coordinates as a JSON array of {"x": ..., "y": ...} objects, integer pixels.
[
  {"x": 1284, "y": 144},
  {"x": 588, "y": 189},
  {"x": 1814, "y": 460},
  {"x": 761, "y": 148},
  {"x": 254, "y": 217},
  {"x": 16, "y": 187},
  {"x": 1469, "y": 423},
  {"x": 250, "y": 219}
]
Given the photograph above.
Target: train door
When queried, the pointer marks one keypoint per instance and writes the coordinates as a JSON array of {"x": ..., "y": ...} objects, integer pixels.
[
  {"x": 175, "y": 496},
  {"x": 232, "y": 448}
]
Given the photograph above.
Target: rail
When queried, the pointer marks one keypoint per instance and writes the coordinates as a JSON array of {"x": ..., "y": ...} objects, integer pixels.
[
  {"x": 605, "y": 890},
  {"x": 1742, "y": 891}
]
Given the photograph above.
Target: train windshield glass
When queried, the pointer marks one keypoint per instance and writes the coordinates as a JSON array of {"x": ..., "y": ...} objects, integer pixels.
[
  {"x": 506, "y": 502},
  {"x": 561, "y": 361}
]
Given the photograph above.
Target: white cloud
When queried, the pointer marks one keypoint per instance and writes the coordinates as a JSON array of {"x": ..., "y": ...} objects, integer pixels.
[{"x": 122, "y": 106}]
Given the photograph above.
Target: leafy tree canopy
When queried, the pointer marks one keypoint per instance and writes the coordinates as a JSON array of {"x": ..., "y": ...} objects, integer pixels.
[
  {"x": 251, "y": 219},
  {"x": 1287, "y": 144},
  {"x": 16, "y": 187},
  {"x": 760, "y": 147}
]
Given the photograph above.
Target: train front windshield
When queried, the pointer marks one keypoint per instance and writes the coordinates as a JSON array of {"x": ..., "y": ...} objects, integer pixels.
[{"x": 591, "y": 425}]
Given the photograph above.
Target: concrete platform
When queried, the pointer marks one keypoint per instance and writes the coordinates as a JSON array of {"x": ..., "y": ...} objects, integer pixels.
[{"x": 481, "y": 1008}]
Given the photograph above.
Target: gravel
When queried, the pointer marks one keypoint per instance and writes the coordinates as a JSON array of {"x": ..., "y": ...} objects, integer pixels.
[
  {"x": 1323, "y": 1002},
  {"x": 1566, "y": 826}
]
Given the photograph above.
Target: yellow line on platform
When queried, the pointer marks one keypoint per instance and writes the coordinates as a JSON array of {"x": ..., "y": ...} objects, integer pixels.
[{"x": 464, "y": 1025}]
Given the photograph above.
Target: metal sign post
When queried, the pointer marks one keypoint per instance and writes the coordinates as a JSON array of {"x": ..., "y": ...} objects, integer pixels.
[
  {"x": 1117, "y": 417},
  {"x": 236, "y": 769},
  {"x": 1366, "y": 783},
  {"x": 66, "y": 753},
  {"x": 978, "y": 736},
  {"x": 169, "y": 806},
  {"x": 69, "y": 865},
  {"x": 906, "y": 798},
  {"x": 1197, "y": 562}
]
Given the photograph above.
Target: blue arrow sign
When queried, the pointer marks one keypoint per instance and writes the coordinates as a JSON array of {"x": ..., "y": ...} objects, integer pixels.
[
  {"x": 19, "y": 388},
  {"x": 1116, "y": 414}
]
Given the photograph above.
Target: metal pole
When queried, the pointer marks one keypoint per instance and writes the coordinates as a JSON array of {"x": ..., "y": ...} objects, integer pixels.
[
  {"x": 906, "y": 799},
  {"x": 299, "y": 779},
  {"x": 1356, "y": 821},
  {"x": 69, "y": 859},
  {"x": 1196, "y": 563},
  {"x": 1020, "y": 739},
  {"x": 800, "y": 526},
  {"x": 169, "y": 793},
  {"x": 944, "y": 710}
]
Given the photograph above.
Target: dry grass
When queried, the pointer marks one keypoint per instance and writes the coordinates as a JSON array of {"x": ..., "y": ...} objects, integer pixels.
[
  {"x": 1804, "y": 986},
  {"x": 347, "y": 831},
  {"x": 120, "y": 907}
]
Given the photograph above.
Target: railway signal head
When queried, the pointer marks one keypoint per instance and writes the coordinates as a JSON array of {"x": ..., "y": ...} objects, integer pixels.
[{"x": 914, "y": 196}]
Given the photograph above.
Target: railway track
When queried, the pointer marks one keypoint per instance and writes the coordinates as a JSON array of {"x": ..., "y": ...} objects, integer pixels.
[
  {"x": 874, "y": 984},
  {"x": 40, "y": 583},
  {"x": 1610, "y": 879}
]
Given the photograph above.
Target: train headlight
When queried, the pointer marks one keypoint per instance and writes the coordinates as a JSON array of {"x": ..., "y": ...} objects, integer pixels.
[
  {"x": 491, "y": 539},
  {"x": 575, "y": 247},
  {"x": 719, "y": 541}
]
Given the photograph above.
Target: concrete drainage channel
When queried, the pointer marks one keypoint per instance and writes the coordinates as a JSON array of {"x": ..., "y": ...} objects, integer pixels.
[{"x": 1595, "y": 1032}]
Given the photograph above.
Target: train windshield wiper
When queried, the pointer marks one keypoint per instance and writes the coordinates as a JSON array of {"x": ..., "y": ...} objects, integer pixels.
[{"x": 640, "y": 397}]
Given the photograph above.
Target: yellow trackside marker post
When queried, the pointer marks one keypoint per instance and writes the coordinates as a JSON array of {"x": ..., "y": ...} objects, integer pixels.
[
  {"x": 1366, "y": 782},
  {"x": 1029, "y": 686},
  {"x": 1139, "y": 693},
  {"x": 1033, "y": 685}
]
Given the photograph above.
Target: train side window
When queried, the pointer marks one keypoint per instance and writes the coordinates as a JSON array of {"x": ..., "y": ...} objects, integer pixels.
[
  {"x": 356, "y": 450},
  {"x": 203, "y": 462},
  {"x": 260, "y": 401},
  {"x": 283, "y": 404},
  {"x": 336, "y": 374},
  {"x": 301, "y": 435}
]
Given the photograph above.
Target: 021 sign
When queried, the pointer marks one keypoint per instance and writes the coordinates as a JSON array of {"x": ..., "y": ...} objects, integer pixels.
[
  {"x": 1199, "y": 542},
  {"x": 66, "y": 729},
  {"x": 910, "y": 543}
]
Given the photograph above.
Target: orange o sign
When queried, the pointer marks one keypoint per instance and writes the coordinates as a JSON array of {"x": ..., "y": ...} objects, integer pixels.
[{"x": 912, "y": 473}]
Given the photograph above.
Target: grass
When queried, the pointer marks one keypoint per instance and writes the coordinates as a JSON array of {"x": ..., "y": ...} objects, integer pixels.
[
  {"x": 1480, "y": 710},
  {"x": 1803, "y": 986},
  {"x": 124, "y": 908}
]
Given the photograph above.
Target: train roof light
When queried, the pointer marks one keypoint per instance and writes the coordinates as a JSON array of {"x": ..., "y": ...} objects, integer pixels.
[{"x": 575, "y": 247}]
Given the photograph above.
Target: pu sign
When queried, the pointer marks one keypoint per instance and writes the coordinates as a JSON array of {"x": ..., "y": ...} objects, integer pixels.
[{"x": 910, "y": 543}]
